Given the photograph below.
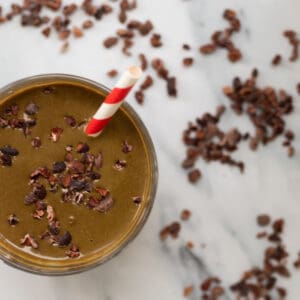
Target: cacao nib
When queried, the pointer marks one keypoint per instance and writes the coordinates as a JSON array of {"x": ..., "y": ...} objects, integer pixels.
[
  {"x": 8, "y": 150},
  {"x": 64, "y": 240},
  {"x": 29, "y": 241},
  {"x": 13, "y": 220},
  {"x": 59, "y": 167},
  {"x": 31, "y": 109}
]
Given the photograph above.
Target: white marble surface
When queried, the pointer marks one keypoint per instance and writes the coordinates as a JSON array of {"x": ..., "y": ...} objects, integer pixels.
[{"x": 224, "y": 203}]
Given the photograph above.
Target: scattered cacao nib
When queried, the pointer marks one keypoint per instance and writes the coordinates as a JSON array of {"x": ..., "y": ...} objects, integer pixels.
[
  {"x": 188, "y": 61},
  {"x": 76, "y": 167},
  {"x": 156, "y": 40},
  {"x": 13, "y": 220},
  {"x": 145, "y": 28},
  {"x": 105, "y": 204},
  {"x": 56, "y": 134},
  {"x": 8, "y": 150},
  {"x": 31, "y": 109},
  {"x": 291, "y": 151},
  {"x": 64, "y": 47},
  {"x": 82, "y": 147},
  {"x": 187, "y": 291},
  {"x": 36, "y": 142},
  {"x": 68, "y": 10},
  {"x": 43, "y": 172},
  {"x": 29, "y": 241},
  {"x": 73, "y": 252},
  {"x": 265, "y": 108},
  {"x": 171, "y": 86},
  {"x": 194, "y": 175},
  {"x": 144, "y": 62},
  {"x": 139, "y": 96},
  {"x": 222, "y": 39},
  {"x": 148, "y": 82},
  {"x": 70, "y": 121},
  {"x": 297, "y": 262},
  {"x": 30, "y": 198},
  {"x": 103, "y": 191},
  {"x": 189, "y": 245},
  {"x": 276, "y": 60},
  {"x": 185, "y": 215},
  {"x": 137, "y": 200},
  {"x": 93, "y": 202},
  {"x": 110, "y": 42},
  {"x": 263, "y": 220},
  {"x": 87, "y": 24},
  {"x": 64, "y": 240},
  {"x": 45, "y": 235},
  {"x": 171, "y": 230},
  {"x": 77, "y": 32},
  {"x": 291, "y": 35},
  {"x": 186, "y": 47},
  {"x": 120, "y": 165},
  {"x": 112, "y": 73},
  {"x": 261, "y": 234},
  {"x": 211, "y": 288},
  {"x": 40, "y": 205},
  {"x": 59, "y": 167},
  {"x": 126, "y": 147}
]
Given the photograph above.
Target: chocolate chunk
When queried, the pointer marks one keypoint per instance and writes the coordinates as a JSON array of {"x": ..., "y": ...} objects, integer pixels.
[
  {"x": 29, "y": 241},
  {"x": 64, "y": 240},
  {"x": 36, "y": 142},
  {"x": 137, "y": 200},
  {"x": 82, "y": 147},
  {"x": 105, "y": 204},
  {"x": 31, "y": 109},
  {"x": 59, "y": 167},
  {"x": 120, "y": 165},
  {"x": 8, "y": 150},
  {"x": 126, "y": 147},
  {"x": 263, "y": 220},
  {"x": 70, "y": 121},
  {"x": 13, "y": 220},
  {"x": 110, "y": 42},
  {"x": 56, "y": 134}
]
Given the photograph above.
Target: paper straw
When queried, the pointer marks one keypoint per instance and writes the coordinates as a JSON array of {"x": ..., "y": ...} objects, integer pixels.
[{"x": 113, "y": 101}]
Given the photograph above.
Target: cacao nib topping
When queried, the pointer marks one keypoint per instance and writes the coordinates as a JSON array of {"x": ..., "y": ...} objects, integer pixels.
[
  {"x": 39, "y": 191},
  {"x": 105, "y": 204},
  {"x": 13, "y": 220},
  {"x": 54, "y": 227},
  {"x": 126, "y": 147},
  {"x": 38, "y": 214},
  {"x": 40, "y": 172},
  {"x": 64, "y": 240},
  {"x": 29, "y": 241},
  {"x": 56, "y": 134},
  {"x": 5, "y": 160},
  {"x": 82, "y": 148},
  {"x": 50, "y": 213},
  {"x": 70, "y": 121},
  {"x": 8, "y": 150},
  {"x": 36, "y": 142},
  {"x": 30, "y": 198},
  {"x": 120, "y": 165},
  {"x": 74, "y": 251},
  {"x": 137, "y": 200},
  {"x": 31, "y": 109},
  {"x": 59, "y": 167}
]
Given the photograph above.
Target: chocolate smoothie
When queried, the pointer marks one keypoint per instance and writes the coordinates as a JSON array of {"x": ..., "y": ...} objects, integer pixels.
[{"x": 68, "y": 201}]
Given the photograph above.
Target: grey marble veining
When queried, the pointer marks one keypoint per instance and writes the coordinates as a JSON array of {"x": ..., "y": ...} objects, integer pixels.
[{"x": 225, "y": 203}]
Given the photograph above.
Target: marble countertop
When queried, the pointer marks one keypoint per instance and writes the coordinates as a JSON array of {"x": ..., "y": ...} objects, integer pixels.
[{"x": 224, "y": 203}]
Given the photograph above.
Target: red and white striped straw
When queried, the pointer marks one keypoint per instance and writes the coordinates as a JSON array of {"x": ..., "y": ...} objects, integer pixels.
[{"x": 113, "y": 101}]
